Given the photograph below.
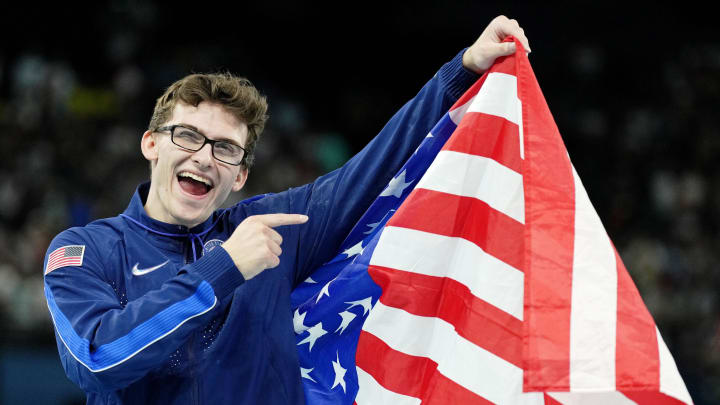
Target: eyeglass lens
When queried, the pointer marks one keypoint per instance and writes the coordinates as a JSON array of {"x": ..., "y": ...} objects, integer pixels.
[{"x": 224, "y": 151}]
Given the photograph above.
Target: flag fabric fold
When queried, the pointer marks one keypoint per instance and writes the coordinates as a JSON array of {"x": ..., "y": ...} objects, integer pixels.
[{"x": 482, "y": 274}]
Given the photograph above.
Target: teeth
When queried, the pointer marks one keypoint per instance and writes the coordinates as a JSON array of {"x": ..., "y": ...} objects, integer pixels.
[{"x": 196, "y": 177}]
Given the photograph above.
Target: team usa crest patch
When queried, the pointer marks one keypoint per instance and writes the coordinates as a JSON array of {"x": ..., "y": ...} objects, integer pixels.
[
  {"x": 71, "y": 255},
  {"x": 211, "y": 244}
]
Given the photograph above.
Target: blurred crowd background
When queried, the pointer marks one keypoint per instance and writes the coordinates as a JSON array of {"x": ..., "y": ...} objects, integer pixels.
[{"x": 634, "y": 91}]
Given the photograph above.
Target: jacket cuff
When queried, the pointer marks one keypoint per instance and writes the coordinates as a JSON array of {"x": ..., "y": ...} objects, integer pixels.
[
  {"x": 217, "y": 268},
  {"x": 455, "y": 78}
]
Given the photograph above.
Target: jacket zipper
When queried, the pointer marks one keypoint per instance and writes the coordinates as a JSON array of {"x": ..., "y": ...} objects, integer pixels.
[{"x": 195, "y": 393}]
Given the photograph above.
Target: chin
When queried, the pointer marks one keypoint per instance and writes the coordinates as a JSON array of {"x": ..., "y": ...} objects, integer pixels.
[
  {"x": 190, "y": 212},
  {"x": 191, "y": 216},
  {"x": 191, "y": 222}
]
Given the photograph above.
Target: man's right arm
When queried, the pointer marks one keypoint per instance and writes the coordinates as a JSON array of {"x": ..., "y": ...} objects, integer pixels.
[
  {"x": 107, "y": 341},
  {"x": 336, "y": 200}
]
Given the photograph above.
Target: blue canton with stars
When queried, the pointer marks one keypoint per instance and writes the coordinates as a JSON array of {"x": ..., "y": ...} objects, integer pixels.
[{"x": 330, "y": 307}]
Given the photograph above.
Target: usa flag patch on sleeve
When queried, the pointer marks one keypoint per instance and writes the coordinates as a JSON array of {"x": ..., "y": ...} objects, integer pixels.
[{"x": 71, "y": 255}]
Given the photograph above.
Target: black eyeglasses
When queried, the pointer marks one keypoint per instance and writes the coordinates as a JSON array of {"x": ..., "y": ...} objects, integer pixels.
[{"x": 192, "y": 140}]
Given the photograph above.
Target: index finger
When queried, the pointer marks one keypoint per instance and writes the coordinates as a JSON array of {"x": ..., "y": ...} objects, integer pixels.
[{"x": 273, "y": 220}]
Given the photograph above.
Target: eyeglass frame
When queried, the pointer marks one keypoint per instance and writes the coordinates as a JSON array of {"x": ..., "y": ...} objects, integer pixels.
[{"x": 212, "y": 142}]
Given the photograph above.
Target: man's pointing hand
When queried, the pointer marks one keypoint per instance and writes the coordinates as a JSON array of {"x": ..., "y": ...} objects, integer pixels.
[{"x": 255, "y": 246}]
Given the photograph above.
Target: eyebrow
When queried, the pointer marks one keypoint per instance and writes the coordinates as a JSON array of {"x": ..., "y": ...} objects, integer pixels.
[{"x": 221, "y": 139}]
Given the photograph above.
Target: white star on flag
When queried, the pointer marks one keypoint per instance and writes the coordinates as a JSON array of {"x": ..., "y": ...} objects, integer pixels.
[
  {"x": 305, "y": 373},
  {"x": 375, "y": 225},
  {"x": 299, "y": 322},
  {"x": 429, "y": 135},
  {"x": 339, "y": 373},
  {"x": 372, "y": 228},
  {"x": 396, "y": 186},
  {"x": 313, "y": 334},
  {"x": 310, "y": 280},
  {"x": 325, "y": 291},
  {"x": 365, "y": 303},
  {"x": 354, "y": 250},
  {"x": 347, "y": 317}
]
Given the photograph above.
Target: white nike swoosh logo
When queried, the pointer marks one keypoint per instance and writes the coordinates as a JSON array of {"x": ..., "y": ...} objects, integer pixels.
[{"x": 141, "y": 272}]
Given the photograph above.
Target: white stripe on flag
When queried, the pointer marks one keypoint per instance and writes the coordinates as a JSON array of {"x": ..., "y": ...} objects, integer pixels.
[
  {"x": 457, "y": 114},
  {"x": 470, "y": 366},
  {"x": 371, "y": 392},
  {"x": 528, "y": 398},
  {"x": 498, "y": 96},
  {"x": 594, "y": 300},
  {"x": 591, "y": 398},
  {"x": 430, "y": 254},
  {"x": 670, "y": 381},
  {"x": 478, "y": 177}
]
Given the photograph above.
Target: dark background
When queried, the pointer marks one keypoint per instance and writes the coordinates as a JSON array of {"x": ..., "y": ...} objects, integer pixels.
[{"x": 634, "y": 89}]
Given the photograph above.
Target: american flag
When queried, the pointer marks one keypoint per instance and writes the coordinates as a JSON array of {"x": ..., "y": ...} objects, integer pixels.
[
  {"x": 71, "y": 255},
  {"x": 482, "y": 274}
]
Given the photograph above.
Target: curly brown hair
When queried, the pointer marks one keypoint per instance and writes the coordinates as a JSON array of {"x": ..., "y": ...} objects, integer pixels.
[{"x": 239, "y": 97}]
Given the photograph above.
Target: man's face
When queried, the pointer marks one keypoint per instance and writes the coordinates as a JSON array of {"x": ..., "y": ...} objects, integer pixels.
[{"x": 186, "y": 187}]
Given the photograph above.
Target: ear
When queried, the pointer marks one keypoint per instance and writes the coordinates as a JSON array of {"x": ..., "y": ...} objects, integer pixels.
[
  {"x": 240, "y": 180},
  {"x": 149, "y": 146}
]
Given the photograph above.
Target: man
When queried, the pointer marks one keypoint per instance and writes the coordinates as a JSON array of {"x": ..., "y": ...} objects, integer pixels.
[{"x": 172, "y": 301}]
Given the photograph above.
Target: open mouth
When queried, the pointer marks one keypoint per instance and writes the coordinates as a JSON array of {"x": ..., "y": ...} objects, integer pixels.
[{"x": 194, "y": 184}]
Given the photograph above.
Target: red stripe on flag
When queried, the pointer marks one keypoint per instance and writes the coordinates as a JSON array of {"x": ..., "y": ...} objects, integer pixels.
[
  {"x": 550, "y": 400},
  {"x": 464, "y": 217},
  {"x": 651, "y": 398},
  {"x": 637, "y": 364},
  {"x": 489, "y": 136},
  {"x": 474, "y": 319},
  {"x": 505, "y": 64},
  {"x": 410, "y": 375},
  {"x": 396, "y": 371},
  {"x": 549, "y": 241},
  {"x": 443, "y": 391}
]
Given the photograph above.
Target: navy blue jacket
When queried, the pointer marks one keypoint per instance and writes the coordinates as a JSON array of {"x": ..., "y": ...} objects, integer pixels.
[{"x": 193, "y": 330}]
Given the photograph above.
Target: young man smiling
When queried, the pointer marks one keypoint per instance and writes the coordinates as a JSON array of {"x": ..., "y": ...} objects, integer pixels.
[
  {"x": 169, "y": 302},
  {"x": 187, "y": 187}
]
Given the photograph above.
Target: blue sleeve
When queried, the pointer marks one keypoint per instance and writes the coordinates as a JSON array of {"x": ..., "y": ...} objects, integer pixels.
[
  {"x": 107, "y": 341},
  {"x": 336, "y": 201}
]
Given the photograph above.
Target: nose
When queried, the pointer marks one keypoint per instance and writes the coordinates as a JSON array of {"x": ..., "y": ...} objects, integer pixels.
[{"x": 203, "y": 157}]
